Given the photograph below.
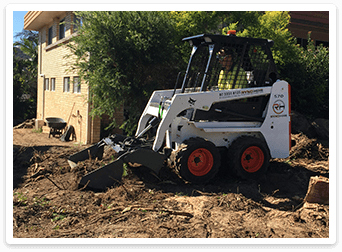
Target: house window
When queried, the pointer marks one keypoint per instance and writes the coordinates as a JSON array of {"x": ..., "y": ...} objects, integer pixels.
[
  {"x": 46, "y": 86},
  {"x": 61, "y": 29},
  {"x": 302, "y": 42},
  {"x": 53, "y": 81},
  {"x": 77, "y": 85},
  {"x": 77, "y": 23},
  {"x": 324, "y": 43},
  {"x": 50, "y": 36},
  {"x": 66, "y": 86}
]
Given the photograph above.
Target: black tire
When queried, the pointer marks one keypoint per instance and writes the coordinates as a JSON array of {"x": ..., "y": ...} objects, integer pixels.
[
  {"x": 249, "y": 157},
  {"x": 197, "y": 160}
]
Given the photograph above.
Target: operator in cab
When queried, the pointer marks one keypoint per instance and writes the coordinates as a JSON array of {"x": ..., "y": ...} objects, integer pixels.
[{"x": 229, "y": 71}]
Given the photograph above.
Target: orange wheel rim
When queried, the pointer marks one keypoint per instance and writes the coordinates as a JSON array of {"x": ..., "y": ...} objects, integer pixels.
[
  {"x": 252, "y": 159},
  {"x": 200, "y": 162}
]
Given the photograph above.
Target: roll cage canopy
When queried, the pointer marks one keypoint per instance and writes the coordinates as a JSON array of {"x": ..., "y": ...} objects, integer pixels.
[
  {"x": 253, "y": 63},
  {"x": 216, "y": 39}
]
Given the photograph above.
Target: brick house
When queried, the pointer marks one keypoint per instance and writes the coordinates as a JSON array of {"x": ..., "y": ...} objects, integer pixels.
[
  {"x": 317, "y": 22},
  {"x": 59, "y": 90}
]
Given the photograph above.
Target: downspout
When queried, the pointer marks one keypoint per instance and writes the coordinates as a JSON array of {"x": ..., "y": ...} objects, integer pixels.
[
  {"x": 41, "y": 74},
  {"x": 87, "y": 119},
  {"x": 88, "y": 127},
  {"x": 43, "y": 104},
  {"x": 40, "y": 54}
]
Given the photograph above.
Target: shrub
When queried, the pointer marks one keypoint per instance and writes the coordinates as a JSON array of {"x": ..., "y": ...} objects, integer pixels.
[{"x": 308, "y": 75}]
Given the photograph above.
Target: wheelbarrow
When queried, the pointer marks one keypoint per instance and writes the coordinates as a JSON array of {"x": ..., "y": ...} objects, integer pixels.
[{"x": 56, "y": 125}]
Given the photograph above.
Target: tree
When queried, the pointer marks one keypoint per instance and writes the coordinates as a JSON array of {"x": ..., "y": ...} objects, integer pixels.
[
  {"x": 190, "y": 23},
  {"x": 25, "y": 61},
  {"x": 124, "y": 56},
  {"x": 308, "y": 75},
  {"x": 268, "y": 25}
]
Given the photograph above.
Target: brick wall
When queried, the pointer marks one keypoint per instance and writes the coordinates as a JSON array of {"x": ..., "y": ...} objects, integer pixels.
[
  {"x": 317, "y": 22},
  {"x": 119, "y": 119},
  {"x": 67, "y": 104}
]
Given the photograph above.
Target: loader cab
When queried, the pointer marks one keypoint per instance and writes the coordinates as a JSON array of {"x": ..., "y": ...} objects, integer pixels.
[
  {"x": 219, "y": 62},
  {"x": 251, "y": 57}
]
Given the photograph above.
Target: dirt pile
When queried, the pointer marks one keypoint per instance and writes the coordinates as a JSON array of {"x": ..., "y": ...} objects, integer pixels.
[
  {"x": 28, "y": 124},
  {"x": 310, "y": 153},
  {"x": 308, "y": 148},
  {"x": 48, "y": 203}
]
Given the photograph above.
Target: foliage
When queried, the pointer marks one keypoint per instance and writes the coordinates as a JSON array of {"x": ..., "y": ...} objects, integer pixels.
[
  {"x": 309, "y": 78},
  {"x": 124, "y": 57},
  {"x": 190, "y": 23},
  {"x": 268, "y": 25},
  {"x": 25, "y": 62},
  {"x": 307, "y": 70}
]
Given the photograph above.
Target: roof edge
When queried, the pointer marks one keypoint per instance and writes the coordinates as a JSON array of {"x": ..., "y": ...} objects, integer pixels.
[{"x": 29, "y": 17}]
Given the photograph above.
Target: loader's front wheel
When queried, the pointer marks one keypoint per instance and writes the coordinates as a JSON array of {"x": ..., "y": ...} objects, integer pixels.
[
  {"x": 197, "y": 160},
  {"x": 249, "y": 157}
]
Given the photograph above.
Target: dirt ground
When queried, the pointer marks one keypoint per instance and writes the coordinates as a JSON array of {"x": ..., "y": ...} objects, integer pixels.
[{"x": 48, "y": 203}]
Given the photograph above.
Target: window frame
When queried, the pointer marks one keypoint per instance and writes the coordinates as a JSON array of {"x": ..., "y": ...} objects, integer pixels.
[
  {"x": 66, "y": 86},
  {"x": 62, "y": 27},
  {"x": 77, "y": 23},
  {"x": 76, "y": 89},
  {"x": 53, "y": 84},
  {"x": 50, "y": 35},
  {"x": 46, "y": 84}
]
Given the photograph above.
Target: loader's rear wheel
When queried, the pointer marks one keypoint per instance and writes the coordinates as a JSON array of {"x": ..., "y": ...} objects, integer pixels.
[
  {"x": 249, "y": 157},
  {"x": 197, "y": 160}
]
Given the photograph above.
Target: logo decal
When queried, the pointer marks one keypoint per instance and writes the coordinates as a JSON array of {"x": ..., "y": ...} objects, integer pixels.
[
  {"x": 278, "y": 107},
  {"x": 191, "y": 101}
]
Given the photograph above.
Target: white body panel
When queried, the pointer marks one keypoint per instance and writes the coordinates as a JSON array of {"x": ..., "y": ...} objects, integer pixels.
[{"x": 274, "y": 129}]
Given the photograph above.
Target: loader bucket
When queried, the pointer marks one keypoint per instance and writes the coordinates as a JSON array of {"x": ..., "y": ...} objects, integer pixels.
[
  {"x": 129, "y": 151},
  {"x": 103, "y": 177},
  {"x": 93, "y": 151},
  {"x": 145, "y": 157},
  {"x": 108, "y": 175}
]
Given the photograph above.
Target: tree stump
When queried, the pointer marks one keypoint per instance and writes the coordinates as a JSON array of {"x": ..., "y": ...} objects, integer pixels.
[{"x": 318, "y": 191}]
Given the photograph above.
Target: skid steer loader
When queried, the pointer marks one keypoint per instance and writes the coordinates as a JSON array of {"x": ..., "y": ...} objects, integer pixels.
[{"x": 229, "y": 101}]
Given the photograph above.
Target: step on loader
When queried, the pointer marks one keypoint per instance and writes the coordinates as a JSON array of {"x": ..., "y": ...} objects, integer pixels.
[{"x": 228, "y": 102}]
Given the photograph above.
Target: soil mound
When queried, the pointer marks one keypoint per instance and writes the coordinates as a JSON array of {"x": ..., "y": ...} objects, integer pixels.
[{"x": 309, "y": 148}]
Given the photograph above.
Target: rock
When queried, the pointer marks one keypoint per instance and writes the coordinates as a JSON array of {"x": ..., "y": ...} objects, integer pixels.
[
  {"x": 318, "y": 190},
  {"x": 321, "y": 128}
]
